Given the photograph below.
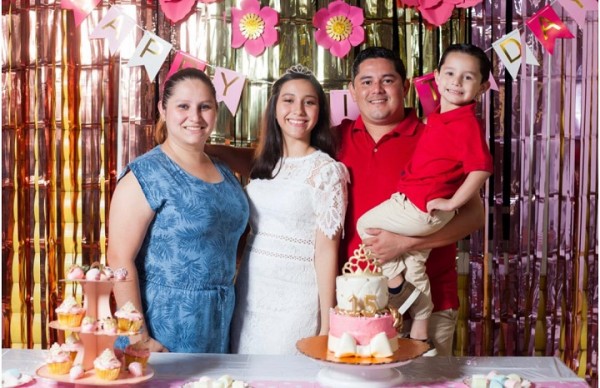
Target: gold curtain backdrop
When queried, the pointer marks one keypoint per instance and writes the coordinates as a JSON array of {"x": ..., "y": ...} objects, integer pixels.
[{"x": 73, "y": 116}]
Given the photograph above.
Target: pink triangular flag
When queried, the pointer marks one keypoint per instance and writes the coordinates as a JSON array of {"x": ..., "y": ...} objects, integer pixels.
[
  {"x": 493, "y": 83},
  {"x": 428, "y": 93},
  {"x": 342, "y": 106},
  {"x": 183, "y": 60},
  {"x": 229, "y": 86},
  {"x": 547, "y": 27},
  {"x": 81, "y": 8},
  {"x": 578, "y": 8}
]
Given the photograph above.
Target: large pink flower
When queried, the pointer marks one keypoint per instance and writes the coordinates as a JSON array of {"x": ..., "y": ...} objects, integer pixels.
[
  {"x": 339, "y": 27},
  {"x": 437, "y": 12},
  {"x": 254, "y": 27}
]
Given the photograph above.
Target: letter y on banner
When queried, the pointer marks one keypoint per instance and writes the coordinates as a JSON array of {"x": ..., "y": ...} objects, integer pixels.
[
  {"x": 229, "y": 86},
  {"x": 151, "y": 52}
]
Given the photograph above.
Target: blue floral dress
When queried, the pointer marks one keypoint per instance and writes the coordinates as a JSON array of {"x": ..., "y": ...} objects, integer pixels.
[{"x": 186, "y": 264}]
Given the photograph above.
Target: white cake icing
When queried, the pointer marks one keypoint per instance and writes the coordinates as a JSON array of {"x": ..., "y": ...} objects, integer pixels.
[{"x": 352, "y": 289}]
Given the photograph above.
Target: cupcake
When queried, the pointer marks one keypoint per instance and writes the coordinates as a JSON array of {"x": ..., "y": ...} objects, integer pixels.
[
  {"x": 72, "y": 345},
  {"x": 58, "y": 360},
  {"x": 107, "y": 366},
  {"x": 128, "y": 318},
  {"x": 106, "y": 273},
  {"x": 137, "y": 352},
  {"x": 75, "y": 273},
  {"x": 109, "y": 325},
  {"x": 92, "y": 274},
  {"x": 89, "y": 325},
  {"x": 70, "y": 313}
]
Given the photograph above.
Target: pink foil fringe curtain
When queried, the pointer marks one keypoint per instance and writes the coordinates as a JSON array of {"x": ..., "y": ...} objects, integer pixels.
[{"x": 73, "y": 116}]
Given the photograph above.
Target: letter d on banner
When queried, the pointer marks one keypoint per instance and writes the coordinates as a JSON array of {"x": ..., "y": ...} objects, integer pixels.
[{"x": 509, "y": 51}]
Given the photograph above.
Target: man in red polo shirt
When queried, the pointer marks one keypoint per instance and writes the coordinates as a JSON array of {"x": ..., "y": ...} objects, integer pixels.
[{"x": 375, "y": 148}]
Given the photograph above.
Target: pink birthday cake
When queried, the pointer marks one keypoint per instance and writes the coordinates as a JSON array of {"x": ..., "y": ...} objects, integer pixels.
[{"x": 361, "y": 325}]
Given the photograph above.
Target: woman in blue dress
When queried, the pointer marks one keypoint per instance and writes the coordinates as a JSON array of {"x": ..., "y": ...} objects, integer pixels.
[{"x": 175, "y": 220}]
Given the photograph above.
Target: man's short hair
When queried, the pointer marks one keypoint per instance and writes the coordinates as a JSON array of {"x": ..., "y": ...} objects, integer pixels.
[{"x": 379, "y": 52}]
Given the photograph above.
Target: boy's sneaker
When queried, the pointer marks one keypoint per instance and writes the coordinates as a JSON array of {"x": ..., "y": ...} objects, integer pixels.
[
  {"x": 432, "y": 350},
  {"x": 405, "y": 298}
]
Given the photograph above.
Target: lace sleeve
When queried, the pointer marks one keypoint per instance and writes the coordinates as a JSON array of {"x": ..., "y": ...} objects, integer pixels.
[{"x": 331, "y": 198}]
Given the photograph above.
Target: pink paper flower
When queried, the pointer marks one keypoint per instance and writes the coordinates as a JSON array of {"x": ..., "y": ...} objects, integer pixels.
[
  {"x": 437, "y": 12},
  {"x": 339, "y": 27},
  {"x": 254, "y": 27}
]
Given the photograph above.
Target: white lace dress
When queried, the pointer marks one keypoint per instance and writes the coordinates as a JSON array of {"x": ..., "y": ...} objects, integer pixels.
[{"x": 277, "y": 301}]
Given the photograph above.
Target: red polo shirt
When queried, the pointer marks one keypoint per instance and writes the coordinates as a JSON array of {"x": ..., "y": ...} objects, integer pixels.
[
  {"x": 451, "y": 146},
  {"x": 375, "y": 169}
]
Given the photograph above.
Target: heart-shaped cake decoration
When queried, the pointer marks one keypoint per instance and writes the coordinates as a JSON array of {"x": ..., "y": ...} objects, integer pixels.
[{"x": 361, "y": 262}]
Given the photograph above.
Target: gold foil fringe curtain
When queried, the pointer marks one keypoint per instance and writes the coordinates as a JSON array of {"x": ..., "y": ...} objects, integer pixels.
[{"x": 73, "y": 116}]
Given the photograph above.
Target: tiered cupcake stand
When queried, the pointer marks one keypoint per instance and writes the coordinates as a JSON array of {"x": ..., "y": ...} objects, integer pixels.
[
  {"x": 359, "y": 372},
  {"x": 96, "y": 301}
]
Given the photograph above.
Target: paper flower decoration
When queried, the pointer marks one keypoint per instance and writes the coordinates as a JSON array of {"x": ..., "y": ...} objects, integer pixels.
[
  {"x": 339, "y": 27},
  {"x": 254, "y": 27},
  {"x": 175, "y": 10},
  {"x": 437, "y": 12}
]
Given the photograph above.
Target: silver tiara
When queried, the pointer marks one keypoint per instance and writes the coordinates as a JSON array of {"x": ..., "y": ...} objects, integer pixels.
[{"x": 299, "y": 69}]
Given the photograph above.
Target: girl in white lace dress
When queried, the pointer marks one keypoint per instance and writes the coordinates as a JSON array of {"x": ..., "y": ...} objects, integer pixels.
[{"x": 297, "y": 194}]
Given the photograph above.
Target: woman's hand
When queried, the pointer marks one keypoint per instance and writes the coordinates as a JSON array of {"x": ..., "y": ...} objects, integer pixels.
[{"x": 154, "y": 346}]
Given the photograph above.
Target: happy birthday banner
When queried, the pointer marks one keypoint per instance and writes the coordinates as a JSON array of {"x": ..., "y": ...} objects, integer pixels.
[
  {"x": 152, "y": 51},
  {"x": 253, "y": 28}
]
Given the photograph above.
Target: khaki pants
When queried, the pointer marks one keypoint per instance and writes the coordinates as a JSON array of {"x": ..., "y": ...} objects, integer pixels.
[
  {"x": 442, "y": 325},
  {"x": 399, "y": 215}
]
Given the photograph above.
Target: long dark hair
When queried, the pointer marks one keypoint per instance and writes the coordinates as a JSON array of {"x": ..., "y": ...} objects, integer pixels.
[
  {"x": 160, "y": 131},
  {"x": 270, "y": 148}
]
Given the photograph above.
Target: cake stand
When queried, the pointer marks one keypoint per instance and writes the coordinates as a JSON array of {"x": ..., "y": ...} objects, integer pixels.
[
  {"x": 359, "y": 372},
  {"x": 96, "y": 301}
]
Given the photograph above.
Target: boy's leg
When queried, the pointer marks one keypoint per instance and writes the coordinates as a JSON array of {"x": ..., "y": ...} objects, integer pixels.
[
  {"x": 397, "y": 215},
  {"x": 422, "y": 308},
  {"x": 442, "y": 325}
]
